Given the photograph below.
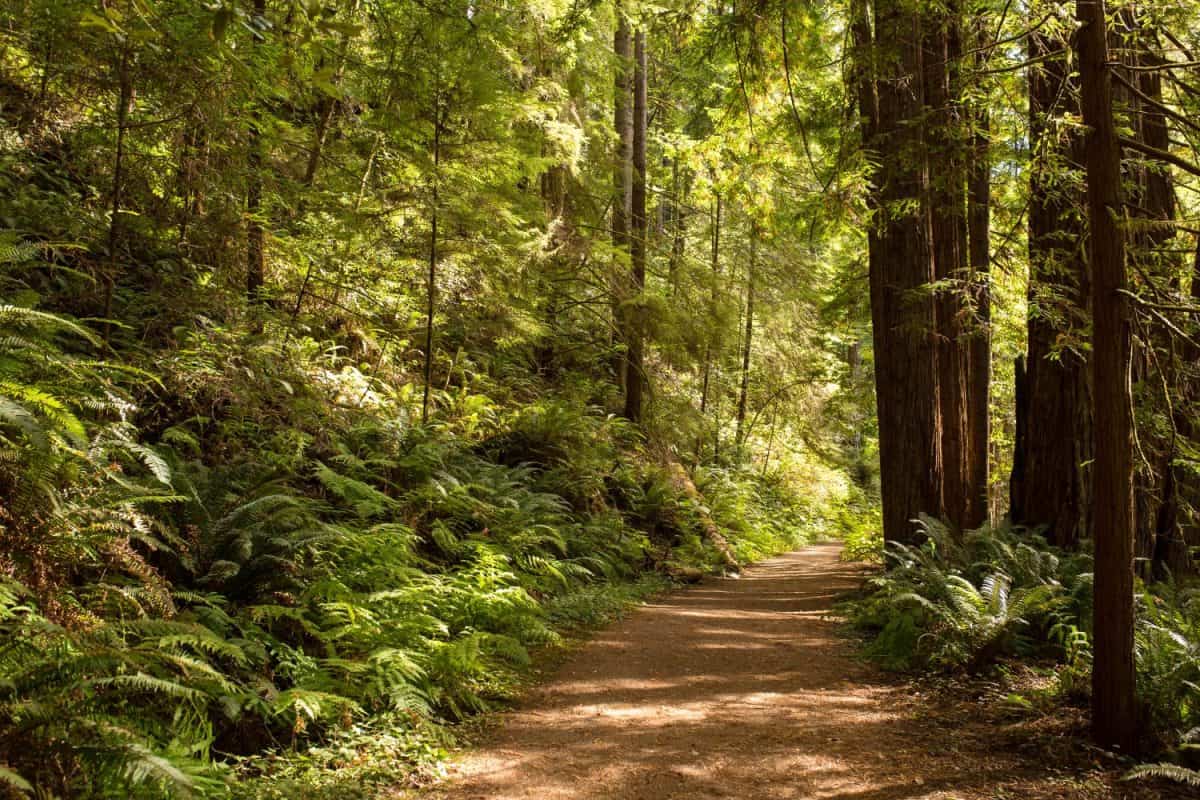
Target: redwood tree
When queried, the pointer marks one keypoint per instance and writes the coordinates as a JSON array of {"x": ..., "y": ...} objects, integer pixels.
[
  {"x": 1049, "y": 486},
  {"x": 1114, "y": 710},
  {"x": 945, "y": 141},
  {"x": 901, "y": 272}
]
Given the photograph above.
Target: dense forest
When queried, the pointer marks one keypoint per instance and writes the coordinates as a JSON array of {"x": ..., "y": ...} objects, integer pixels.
[{"x": 353, "y": 354}]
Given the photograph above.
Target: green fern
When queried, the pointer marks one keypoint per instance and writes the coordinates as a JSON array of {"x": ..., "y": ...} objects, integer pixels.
[{"x": 1171, "y": 772}]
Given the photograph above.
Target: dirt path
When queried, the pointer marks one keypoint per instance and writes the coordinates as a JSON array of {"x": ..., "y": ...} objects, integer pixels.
[{"x": 731, "y": 689}]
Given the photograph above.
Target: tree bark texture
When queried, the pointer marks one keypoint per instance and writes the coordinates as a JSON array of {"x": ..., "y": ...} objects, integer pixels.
[
  {"x": 902, "y": 269},
  {"x": 945, "y": 146},
  {"x": 1114, "y": 709}
]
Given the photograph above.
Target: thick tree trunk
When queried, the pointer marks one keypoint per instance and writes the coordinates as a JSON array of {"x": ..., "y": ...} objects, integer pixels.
[
  {"x": 945, "y": 145},
  {"x": 1114, "y": 709},
  {"x": 635, "y": 376},
  {"x": 1187, "y": 487},
  {"x": 1057, "y": 442},
  {"x": 1017, "y": 479},
  {"x": 902, "y": 309}
]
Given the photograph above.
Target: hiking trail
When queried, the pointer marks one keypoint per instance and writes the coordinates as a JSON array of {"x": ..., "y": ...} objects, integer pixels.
[{"x": 734, "y": 688}]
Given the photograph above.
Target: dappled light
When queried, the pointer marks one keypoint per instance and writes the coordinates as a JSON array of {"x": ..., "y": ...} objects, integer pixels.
[
  {"x": 735, "y": 688},
  {"x": 361, "y": 361}
]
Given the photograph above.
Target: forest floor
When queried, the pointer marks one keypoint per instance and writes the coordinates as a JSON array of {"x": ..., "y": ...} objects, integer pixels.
[{"x": 746, "y": 688}]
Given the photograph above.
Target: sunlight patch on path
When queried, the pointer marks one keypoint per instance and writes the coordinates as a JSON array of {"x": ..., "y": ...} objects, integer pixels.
[{"x": 730, "y": 689}]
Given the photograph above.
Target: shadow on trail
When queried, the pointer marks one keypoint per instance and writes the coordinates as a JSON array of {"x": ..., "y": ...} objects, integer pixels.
[{"x": 737, "y": 688}]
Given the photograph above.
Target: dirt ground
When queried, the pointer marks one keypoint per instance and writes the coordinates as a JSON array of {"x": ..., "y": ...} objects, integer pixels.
[{"x": 743, "y": 688}]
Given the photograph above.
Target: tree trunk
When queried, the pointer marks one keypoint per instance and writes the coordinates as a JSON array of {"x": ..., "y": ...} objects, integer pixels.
[
  {"x": 1187, "y": 487},
  {"x": 946, "y": 203},
  {"x": 902, "y": 310},
  {"x": 1157, "y": 538},
  {"x": 256, "y": 253},
  {"x": 716, "y": 270},
  {"x": 431, "y": 277},
  {"x": 682, "y": 483},
  {"x": 1056, "y": 412},
  {"x": 678, "y": 231},
  {"x": 979, "y": 337},
  {"x": 635, "y": 375},
  {"x": 748, "y": 338},
  {"x": 124, "y": 100},
  {"x": 1017, "y": 479},
  {"x": 1114, "y": 710},
  {"x": 622, "y": 206}
]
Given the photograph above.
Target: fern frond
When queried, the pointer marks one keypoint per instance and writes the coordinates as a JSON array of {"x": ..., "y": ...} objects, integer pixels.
[{"x": 1171, "y": 772}]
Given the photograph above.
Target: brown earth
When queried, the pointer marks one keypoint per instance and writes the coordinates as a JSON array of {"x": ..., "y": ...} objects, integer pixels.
[{"x": 743, "y": 688}]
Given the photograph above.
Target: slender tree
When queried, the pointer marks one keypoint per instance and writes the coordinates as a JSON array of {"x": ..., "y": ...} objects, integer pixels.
[
  {"x": 979, "y": 335},
  {"x": 635, "y": 378},
  {"x": 715, "y": 265},
  {"x": 434, "y": 219},
  {"x": 256, "y": 249},
  {"x": 747, "y": 336},
  {"x": 1114, "y": 709},
  {"x": 622, "y": 203},
  {"x": 123, "y": 101}
]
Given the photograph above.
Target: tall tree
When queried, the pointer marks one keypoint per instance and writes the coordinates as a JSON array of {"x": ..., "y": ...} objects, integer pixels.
[
  {"x": 635, "y": 332},
  {"x": 1050, "y": 488},
  {"x": 715, "y": 265},
  {"x": 1138, "y": 90},
  {"x": 901, "y": 272},
  {"x": 747, "y": 336},
  {"x": 1114, "y": 709},
  {"x": 434, "y": 218},
  {"x": 945, "y": 140},
  {"x": 979, "y": 341},
  {"x": 622, "y": 203},
  {"x": 256, "y": 249}
]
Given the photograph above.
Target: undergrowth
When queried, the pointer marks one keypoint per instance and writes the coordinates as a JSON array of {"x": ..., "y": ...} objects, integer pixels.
[
  {"x": 963, "y": 602},
  {"x": 207, "y": 591}
]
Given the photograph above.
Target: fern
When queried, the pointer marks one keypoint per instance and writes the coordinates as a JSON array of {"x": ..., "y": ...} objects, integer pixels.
[{"x": 1171, "y": 772}]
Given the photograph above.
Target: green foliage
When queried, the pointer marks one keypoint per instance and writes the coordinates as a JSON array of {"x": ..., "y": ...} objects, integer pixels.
[
  {"x": 1167, "y": 651},
  {"x": 358, "y": 762},
  {"x": 231, "y": 543},
  {"x": 762, "y": 514},
  {"x": 122, "y": 708},
  {"x": 1171, "y": 771},
  {"x": 860, "y": 525},
  {"x": 961, "y": 601},
  {"x": 964, "y": 601}
]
